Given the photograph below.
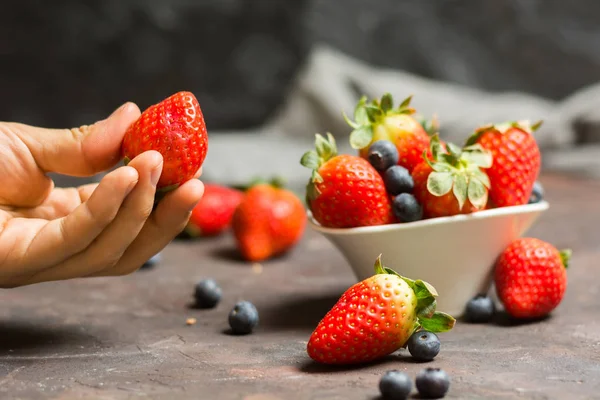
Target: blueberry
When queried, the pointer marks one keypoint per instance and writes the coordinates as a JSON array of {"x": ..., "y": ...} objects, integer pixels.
[
  {"x": 423, "y": 345},
  {"x": 407, "y": 208},
  {"x": 207, "y": 293},
  {"x": 432, "y": 383},
  {"x": 395, "y": 385},
  {"x": 383, "y": 154},
  {"x": 397, "y": 180},
  {"x": 243, "y": 318},
  {"x": 480, "y": 309},
  {"x": 537, "y": 194},
  {"x": 155, "y": 259}
]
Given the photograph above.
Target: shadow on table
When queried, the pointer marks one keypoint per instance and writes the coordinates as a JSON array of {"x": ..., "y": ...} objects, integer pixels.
[
  {"x": 395, "y": 359},
  {"x": 300, "y": 311},
  {"x": 20, "y": 337},
  {"x": 502, "y": 319}
]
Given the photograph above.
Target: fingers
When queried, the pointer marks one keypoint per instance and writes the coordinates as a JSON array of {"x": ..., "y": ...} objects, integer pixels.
[
  {"x": 61, "y": 238},
  {"x": 82, "y": 151},
  {"x": 108, "y": 247},
  {"x": 168, "y": 220},
  {"x": 59, "y": 203}
]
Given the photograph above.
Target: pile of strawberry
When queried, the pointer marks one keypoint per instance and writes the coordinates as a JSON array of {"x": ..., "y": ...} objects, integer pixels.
[{"x": 402, "y": 173}]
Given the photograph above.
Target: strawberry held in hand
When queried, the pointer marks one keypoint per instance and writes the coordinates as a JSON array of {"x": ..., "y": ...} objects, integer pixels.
[
  {"x": 453, "y": 182},
  {"x": 213, "y": 214},
  {"x": 516, "y": 160},
  {"x": 175, "y": 128},
  {"x": 344, "y": 191},
  {"x": 269, "y": 221},
  {"x": 379, "y": 120},
  {"x": 531, "y": 277},
  {"x": 376, "y": 317}
]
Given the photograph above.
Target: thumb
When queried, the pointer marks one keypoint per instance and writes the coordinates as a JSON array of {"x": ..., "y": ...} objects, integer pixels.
[{"x": 82, "y": 151}]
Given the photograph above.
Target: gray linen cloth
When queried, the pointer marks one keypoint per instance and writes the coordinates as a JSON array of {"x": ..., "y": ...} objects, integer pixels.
[{"x": 332, "y": 82}]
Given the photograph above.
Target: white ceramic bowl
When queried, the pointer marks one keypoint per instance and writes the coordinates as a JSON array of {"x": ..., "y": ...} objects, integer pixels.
[{"x": 454, "y": 254}]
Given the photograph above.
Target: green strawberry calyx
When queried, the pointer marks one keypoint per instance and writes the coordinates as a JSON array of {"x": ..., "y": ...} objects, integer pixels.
[
  {"x": 524, "y": 125},
  {"x": 427, "y": 316},
  {"x": 367, "y": 114},
  {"x": 431, "y": 126},
  {"x": 459, "y": 170},
  {"x": 565, "y": 257},
  {"x": 325, "y": 150}
]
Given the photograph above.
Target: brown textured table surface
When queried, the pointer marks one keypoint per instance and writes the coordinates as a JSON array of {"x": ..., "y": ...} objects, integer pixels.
[{"x": 126, "y": 338}]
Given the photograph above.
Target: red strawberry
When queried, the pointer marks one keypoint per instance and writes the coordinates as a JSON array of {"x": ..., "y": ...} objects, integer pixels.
[
  {"x": 269, "y": 221},
  {"x": 531, "y": 277},
  {"x": 175, "y": 128},
  {"x": 516, "y": 160},
  {"x": 344, "y": 191},
  {"x": 378, "y": 120},
  {"x": 452, "y": 182},
  {"x": 376, "y": 317},
  {"x": 213, "y": 214}
]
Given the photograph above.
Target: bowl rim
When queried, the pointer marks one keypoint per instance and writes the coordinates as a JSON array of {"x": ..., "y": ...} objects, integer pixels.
[{"x": 484, "y": 214}]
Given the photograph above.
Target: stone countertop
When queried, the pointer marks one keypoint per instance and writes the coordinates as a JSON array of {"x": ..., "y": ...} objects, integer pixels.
[{"x": 127, "y": 338}]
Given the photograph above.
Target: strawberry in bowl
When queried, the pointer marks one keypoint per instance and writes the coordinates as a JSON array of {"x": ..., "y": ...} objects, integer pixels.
[{"x": 454, "y": 209}]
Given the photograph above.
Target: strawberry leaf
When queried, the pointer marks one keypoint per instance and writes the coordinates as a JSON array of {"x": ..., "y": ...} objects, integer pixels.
[
  {"x": 454, "y": 150},
  {"x": 438, "y": 322},
  {"x": 374, "y": 112},
  {"x": 565, "y": 256},
  {"x": 361, "y": 137},
  {"x": 352, "y": 124},
  {"x": 460, "y": 190},
  {"x": 386, "y": 102},
  {"x": 405, "y": 103},
  {"x": 536, "y": 125},
  {"x": 439, "y": 183},
  {"x": 482, "y": 176},
  {"x": 477, "y": 192},
  {"x": 379, "y": 268},
  {"x": 475, "y": 154},
  {"x": 310, "y": 159}
]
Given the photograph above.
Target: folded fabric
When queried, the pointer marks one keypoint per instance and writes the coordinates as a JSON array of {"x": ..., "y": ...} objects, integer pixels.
[{"x": 332, "y": 82}]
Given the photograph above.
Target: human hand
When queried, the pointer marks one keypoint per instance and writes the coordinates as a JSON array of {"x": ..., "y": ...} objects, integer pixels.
[{"x": 104, "y": 229}]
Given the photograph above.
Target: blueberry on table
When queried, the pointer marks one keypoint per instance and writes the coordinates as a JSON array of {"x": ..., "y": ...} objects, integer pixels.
[
  {"x": 243, "y": 318},
  {"x": 398, "y": 180},
  {"x": 382, "y": 154},
  {"x": 480, "y": 309},
  {"x": 407, "y": 208},
  {"x": 537, "y": 194},
  {"x": 207, "y": 293},
  {"x": 432, "y": 383},
  {"x": 155, "y": 259},
  {"x": 423, "y": 345},
  {"x": 395, "y": 385}
]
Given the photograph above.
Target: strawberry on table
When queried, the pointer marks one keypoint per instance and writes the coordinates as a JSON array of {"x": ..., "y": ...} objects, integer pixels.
[
  {"x": 213, "y": 213},
  {"x": 269, "y": 221},
  {"x": 453, "y": 181},
  {"x": 531, "y": 277},
  {"x": 516, "y": 160},
  {"x": 379, "y": 120},
  {"x": 175, "y": 128},
  {"x": 376, "y": 317},
  {"x": 344, "y": 191}
]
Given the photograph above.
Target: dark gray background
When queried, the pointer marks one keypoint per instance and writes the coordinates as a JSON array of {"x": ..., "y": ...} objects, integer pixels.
[{"x": 70, "y": 62}]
